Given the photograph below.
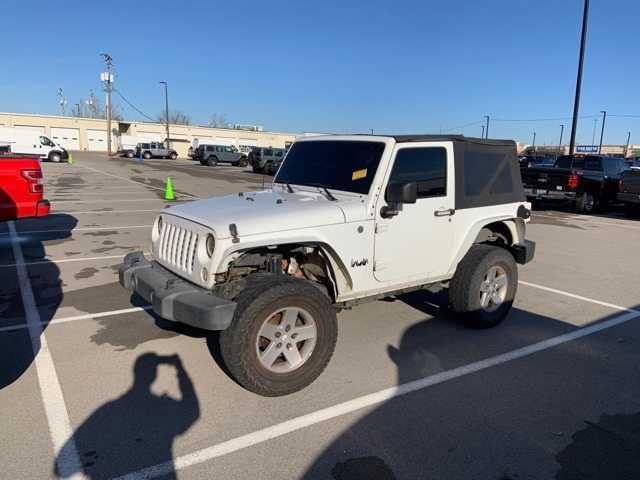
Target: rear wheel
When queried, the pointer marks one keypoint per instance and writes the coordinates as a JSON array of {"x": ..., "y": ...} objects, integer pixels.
[
  {"x": 147, "y": 155},
  {"x": 282, "y": 336},
  {"x": 585, "y": 203},
  {"x": 484, "y": 286},
  {"x": 55, "y": 157},
  {"x": 256, "y": 169},
  {"x": 243, "y": 162},
  {"x": 212, "y": 161},
  {"x": 129, "y": 154}
]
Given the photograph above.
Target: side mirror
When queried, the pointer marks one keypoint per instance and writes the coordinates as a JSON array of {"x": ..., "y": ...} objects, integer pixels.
[{"x": 402, "y": 192}]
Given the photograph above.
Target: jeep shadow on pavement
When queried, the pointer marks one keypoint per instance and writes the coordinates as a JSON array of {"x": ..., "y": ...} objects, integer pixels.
[{"x": 348, "y": 219}]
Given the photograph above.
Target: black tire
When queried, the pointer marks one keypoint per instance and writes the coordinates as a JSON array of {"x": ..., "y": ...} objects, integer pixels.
[
  {"x": 55, "y": 157},
  {"x": 465, "y": 287},
  {"x": 632, "y": 210},
  {"x": 256, "y": 169},
  {"x": 173, "y": 156},
  {"x": 212, "y": 161},
  {"x": 261, "y": 298},
  {"x": 202, "y": 162},
  {"x": 129, "y": 154},
  {"x": 146, "y": 155},
  {"x": 585, "y": 203},
  {"x": 243, "y": 162}
]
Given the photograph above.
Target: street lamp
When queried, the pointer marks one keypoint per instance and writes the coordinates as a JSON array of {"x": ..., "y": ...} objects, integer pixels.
[
  {"x": 560, "y": 143},
  {"x": 166, "y": 110},
  {"x": 604, "y": 119}
]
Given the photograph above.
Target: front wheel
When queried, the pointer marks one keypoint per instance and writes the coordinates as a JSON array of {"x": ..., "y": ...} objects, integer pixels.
[
  {"x": 243, "y": 162},
  {"x": 212, "y": 161},
  {"x": 282, "y": 336},
  {"x": 129, "y": 154},
  {"x": 484, "y": 286},
  {"x": 173, "y": 156},
  {"x": 147, "y": 155},
  {"x": 55, "y": 157}
]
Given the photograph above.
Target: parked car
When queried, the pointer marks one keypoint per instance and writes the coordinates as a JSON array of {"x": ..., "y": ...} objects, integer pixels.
[
  {"x": 27, "y": 142},
  {"x": 211, "y": 155},
  {"x": 190, "y": 152},
  {"x": 630, "y": 191},
  {"x": 21, "y": 188},
  {"x": 585, "y": 182},
  {"x": 348, "y": 219},
  {"x": 261, "y": 158},
  {"x": 127, "y": 144},
  {"x": 155, "y": 150}
]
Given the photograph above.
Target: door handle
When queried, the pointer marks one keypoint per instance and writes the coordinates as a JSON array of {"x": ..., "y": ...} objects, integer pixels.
[{"x": 444, "y": 213}]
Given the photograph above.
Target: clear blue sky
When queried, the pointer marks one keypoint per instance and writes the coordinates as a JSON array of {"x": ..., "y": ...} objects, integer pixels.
[{"x": 334, "y": 66}]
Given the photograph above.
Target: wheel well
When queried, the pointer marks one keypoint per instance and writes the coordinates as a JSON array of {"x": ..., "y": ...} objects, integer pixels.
[
  {"x": 337, "y": 279},
  {"x": 497, "y": 233}
]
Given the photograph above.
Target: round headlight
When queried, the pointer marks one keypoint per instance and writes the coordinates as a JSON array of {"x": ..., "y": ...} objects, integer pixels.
[
  {"x": 159, "y": 224},
  {"x": 211, "y": 245}
]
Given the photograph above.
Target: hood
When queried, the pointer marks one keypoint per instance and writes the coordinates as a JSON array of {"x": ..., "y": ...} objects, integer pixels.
[{"x": 264, "y": 212}]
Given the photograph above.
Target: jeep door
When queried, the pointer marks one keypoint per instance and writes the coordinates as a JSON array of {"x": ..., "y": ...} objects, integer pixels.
[{"x": 417, "y": 242}]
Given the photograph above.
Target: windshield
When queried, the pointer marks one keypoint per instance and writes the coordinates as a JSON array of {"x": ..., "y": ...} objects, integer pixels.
[{"x": 340, "y": 165}]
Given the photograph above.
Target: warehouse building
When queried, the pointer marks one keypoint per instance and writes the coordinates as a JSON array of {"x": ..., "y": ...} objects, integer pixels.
[{"x": 90, "y": 134}]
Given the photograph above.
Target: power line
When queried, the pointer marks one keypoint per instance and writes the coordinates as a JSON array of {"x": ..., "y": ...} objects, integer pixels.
[
  {"x": 464, "y": 126},
  {"x": 555, "y": 119},
  {"x": 133, "y": 106}
]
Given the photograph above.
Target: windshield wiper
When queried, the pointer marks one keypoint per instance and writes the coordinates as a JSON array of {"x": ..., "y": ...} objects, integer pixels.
[
  {"x": 289, "y": 189},
  {"x": 329, "y": 194}
]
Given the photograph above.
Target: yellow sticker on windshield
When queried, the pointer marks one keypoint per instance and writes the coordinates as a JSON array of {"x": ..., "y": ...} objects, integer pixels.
[{"x": 358, "y": 174}]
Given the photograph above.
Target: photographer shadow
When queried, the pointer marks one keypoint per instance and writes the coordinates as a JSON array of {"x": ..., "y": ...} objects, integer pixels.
[{"x": 134, "y": 430}]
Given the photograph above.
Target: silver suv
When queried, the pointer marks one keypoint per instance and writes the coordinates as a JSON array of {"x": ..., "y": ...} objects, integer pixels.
[
  {"x": 212, "y": 154},
  {"x": 263, "y": 160},
  {"x": 155, "y": 150}
]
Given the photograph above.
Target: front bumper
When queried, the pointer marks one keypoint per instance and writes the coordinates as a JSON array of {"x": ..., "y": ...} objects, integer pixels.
[{"x": 172, "y": 297}]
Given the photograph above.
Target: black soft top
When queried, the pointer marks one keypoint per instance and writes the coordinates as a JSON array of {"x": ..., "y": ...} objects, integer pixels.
[{"x": 487, "y": 171}]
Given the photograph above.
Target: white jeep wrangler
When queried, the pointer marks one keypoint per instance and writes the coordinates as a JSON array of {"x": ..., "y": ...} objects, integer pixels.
[{"x": 347, "y": 219}]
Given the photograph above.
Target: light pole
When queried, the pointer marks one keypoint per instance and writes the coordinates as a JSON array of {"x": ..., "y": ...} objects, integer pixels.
[
  {"x": 560, "y": 143},
  {"x": 371, "y": 131},
  {"x": 626, "y": 148},
  {"x": 166, "y": 110},
  {"x": 486, "y": 130},
  {"x": 534, "y": 142},
  {"x": 604, "y": 119},
  {"x": 576, "y": 101}
]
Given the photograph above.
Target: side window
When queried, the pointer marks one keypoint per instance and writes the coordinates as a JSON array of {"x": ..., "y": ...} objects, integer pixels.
[
  {"x": 218, "y": 149},
  {"x": 425, "y": 166},
  {"x": 267, "y": 152},
  {"x": 278, "y": 153},
  {"x": 44, "y": 141}
]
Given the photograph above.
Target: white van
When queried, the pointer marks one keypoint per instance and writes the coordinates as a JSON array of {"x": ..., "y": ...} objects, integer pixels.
[{"x": 25, "y": 142}]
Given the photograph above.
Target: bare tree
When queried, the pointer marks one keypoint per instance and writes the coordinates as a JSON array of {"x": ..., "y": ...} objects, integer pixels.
[
  {"x": 219, "y": 120},
  {"x": 92, "y": 108},
  {"x": 176, "y": 117}
]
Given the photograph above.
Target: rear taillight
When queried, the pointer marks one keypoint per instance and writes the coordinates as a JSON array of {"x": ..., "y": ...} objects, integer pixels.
[
  {"x": 621, "y": 185},
  {"x": 573, "y": 181},
  {"x": 34, "y": 179}
]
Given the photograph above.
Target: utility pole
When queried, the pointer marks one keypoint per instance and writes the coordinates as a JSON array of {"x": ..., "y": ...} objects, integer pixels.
[
  {"x": 166, "y": 110},
  {"x": 626, "y": 148},
  {"x": 593, "y": 134},
  {"x": 482, "y": 132},
  {"x": 560, "y": 143},
  {"x": 576, "y": 101},
  {"x": 371, "y": 131},
  {"x": 604, "y": 119},
  {"x": 486, "y": 130},
  {"x": 107, "y": 79}
]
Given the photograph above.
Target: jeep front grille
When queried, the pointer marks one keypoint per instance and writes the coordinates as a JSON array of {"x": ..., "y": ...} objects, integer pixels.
[{"x": 177, "y": 247}]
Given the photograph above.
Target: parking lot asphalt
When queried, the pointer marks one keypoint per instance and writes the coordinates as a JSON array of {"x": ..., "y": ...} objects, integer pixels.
[{"x": 93, "y": 384}]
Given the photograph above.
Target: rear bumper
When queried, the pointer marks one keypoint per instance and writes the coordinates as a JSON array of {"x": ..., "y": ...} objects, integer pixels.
[
  {"x": 173, "y": 298},
  {"x": 629, "y": 197},
  {"x": 524, "y": 252},
  {"x": 541, "y": 194}
]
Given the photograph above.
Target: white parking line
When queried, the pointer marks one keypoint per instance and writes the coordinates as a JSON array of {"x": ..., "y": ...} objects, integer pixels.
[
  {"x": 66, "y": 260},
  {"x": 304, "y": 421},
  {"x": 55, "y": 408},
  {"x": 81, "y": 229},
  {"x": 130, "y": 181},
  {"x": 579, "y": 297},
  {"x": 74, "y": 318},
  {"x": 116, "y": 200}
]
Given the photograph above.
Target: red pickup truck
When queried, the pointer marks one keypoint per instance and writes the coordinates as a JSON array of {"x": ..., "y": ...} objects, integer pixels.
[{"x": 21, "y": 188}]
